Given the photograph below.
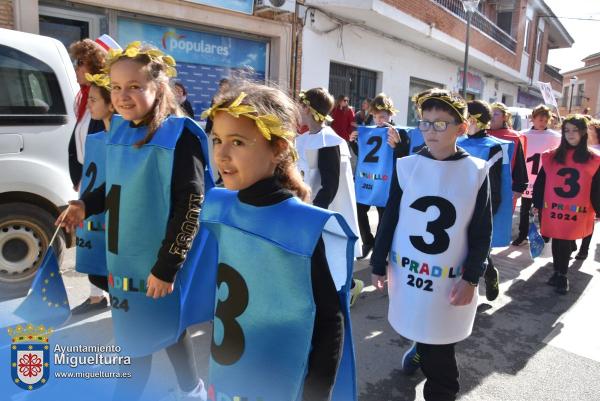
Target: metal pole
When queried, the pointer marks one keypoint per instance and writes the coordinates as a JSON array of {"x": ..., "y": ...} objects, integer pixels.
[
  {"x": 465, "y": 66},
  {"x": 571, "y": 99}
]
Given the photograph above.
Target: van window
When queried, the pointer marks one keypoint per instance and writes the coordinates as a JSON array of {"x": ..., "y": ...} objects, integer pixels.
[{"x": 30, "y": 87}]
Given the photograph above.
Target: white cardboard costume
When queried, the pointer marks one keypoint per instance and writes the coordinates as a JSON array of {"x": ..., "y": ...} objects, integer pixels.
[
  {"x": 344, "y": 203},
  {"x": 538, "y": 142},
  {"x": 436, "y": 208}
]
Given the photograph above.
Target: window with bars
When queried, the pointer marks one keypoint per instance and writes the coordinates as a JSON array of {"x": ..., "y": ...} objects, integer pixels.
[{"x": 356, "y": 83}]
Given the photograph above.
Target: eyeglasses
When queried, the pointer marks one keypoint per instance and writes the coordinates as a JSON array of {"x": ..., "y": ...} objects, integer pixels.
[{"x": 438, "y": 126}]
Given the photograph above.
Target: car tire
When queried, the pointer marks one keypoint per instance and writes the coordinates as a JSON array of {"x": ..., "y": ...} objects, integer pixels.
[{"x": 25, "y": 231}]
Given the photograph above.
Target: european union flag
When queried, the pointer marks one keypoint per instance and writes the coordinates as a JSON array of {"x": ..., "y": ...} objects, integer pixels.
[
  {"x": 536, "y": 242},
  {"x": 47, "y": 301}
]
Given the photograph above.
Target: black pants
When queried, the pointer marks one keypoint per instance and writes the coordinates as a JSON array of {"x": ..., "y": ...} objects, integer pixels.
[
  {"x": 181, "y": 355},
  {"x": 438, "y": 363},
  {"x": 585, "y": 243},
  {"x": 524, "y": 216},
  {"x": 99, "y": 281},
  {"x": 561, "y": 253},
  {"x": 363, "y": 222}
]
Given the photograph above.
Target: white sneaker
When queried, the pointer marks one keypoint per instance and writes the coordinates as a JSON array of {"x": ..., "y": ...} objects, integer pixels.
[{"x": 197, "y": 394}]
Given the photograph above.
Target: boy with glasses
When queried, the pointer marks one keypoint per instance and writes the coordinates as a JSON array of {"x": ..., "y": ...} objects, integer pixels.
[{"x": 437, "y": 230}]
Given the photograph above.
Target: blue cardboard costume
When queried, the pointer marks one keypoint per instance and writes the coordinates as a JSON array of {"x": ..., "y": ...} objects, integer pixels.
[
  {"x": 417, "y": 142},
  {"x": 480, "y": 148},
  {"x": 138, "y": 206},
  {"x": 375, "y": 166},
  {"x": 91, "y": 250},
  {"x": 265, "y": 300}
]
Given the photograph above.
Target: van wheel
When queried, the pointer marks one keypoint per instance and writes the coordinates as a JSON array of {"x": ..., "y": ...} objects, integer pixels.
[{"x": 25, "y": 231}]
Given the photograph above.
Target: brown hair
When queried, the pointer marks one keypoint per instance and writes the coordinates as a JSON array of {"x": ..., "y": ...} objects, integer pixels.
[
  {"x": 542, "y": 110},
  {"x": 165, "y": 104},
  {"x": 382, "y": 102},
  {"x": 90, "y": 53},
  {"x": 320, "y": 100},
  {"x": 268, "y": 100},
  {"x": 104, "y": 93}
]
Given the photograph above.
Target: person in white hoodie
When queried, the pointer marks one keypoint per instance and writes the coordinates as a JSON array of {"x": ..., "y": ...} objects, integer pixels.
[{"x": 324, "y": 162}]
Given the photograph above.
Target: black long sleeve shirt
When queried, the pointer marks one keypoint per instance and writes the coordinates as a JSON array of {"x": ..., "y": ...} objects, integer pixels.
[
  {"x": 329, "y": 163},
  {"x": 75, "y": 168},
  {"x": 520, "y": 179},
  {"x": 495, "y": 173},
  {"x": 479, "y": 236},
  {"x": 187, "y": 194},
  {"x": 328, "y": 331}
]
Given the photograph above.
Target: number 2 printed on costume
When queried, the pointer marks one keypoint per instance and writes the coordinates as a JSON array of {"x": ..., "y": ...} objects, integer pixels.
[
  {"x": 138, "y": 204},
  {"x": 375, "y": 166},
  {"x": 90, "y": 249}
]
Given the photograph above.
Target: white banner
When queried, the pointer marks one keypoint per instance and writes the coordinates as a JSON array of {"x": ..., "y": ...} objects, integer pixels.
[{"x": 547, "y": 93}]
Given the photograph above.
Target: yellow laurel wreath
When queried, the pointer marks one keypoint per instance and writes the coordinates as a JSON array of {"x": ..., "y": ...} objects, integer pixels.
[
  {"x": 387, "y": 108},
  {"x": 134, "y": 49},
  {"x": 269, "y": 125},
  {"x": 455, "y": 103},
  {"x": 100, "y": 80},
  {"x": 316, "y": 115},
  {"x": 481, "y": 125}
]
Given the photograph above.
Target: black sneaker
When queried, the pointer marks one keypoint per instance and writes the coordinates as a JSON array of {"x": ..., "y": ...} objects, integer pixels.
[
  {"x": 88, "y": 306},
  {"x": 581, "y": 255},
  {"x": 492, "y": 282},
  {"x": 366, "y": 248},
  {"x": 519, "y": 240},
  {"x": 562, "y": 284},
  {"x": 553, "y": 280}
]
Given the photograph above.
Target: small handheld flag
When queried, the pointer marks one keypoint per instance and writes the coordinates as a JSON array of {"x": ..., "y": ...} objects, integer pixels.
[
  {"x": 47, "y": 301},
  {"x": 536, "y": 242}
]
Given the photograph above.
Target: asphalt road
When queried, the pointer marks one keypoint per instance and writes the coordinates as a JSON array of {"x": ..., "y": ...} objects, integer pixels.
[{"x": 529, "y": 344}]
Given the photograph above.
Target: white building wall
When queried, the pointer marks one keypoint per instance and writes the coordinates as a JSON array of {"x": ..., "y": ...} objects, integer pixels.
[{"x": 394, "y": 62}]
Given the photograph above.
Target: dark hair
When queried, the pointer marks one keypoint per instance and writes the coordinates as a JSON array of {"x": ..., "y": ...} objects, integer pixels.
[
  {"x": 267, "y": 100},
  {"x": 481, "y": 107},
  {"x": 180, "y": 85},
  {"x": 223, "y": 81},
  {"x": 582, "y": 154},
  {"x": 320, "y": 100},
  {"x": 431, "y": 100},
  {"x": 104, "y": 93},
  {"x": 90, "y": 53}
]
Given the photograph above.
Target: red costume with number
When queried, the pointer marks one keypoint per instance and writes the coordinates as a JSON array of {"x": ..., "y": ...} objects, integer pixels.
[{"x": 568, "y": 213}]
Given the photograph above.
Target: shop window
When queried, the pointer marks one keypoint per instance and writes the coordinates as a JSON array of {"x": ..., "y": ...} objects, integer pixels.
[
  {"x": 30, "y": 87},
  {"x": 417, "y": 86},
  {"x": 354, "y": 82}
]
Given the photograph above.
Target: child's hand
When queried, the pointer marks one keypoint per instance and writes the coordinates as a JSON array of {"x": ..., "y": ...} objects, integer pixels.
[
  {"x": 462, "y": 293},
  {"x": 72, "y": 216},
  {"x": 393, "y": 137},
  {"x": 353, "y": 136},
  {"x": 158, "y": 288},
  {"x": 378, "y": 281}
]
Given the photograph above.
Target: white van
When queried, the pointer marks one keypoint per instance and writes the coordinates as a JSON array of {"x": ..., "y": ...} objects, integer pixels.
[
  {"x": 37, "y": 117},
  {"x": 521, "y": 118}
]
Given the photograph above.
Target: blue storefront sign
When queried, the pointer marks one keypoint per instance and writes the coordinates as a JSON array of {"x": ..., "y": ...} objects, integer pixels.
[
  {"x": 242, "y": 6},
  {"x": 202, "y": 58}
]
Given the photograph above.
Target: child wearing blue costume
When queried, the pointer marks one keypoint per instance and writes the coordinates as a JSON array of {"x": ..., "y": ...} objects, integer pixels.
[
  {"x": 281, "y": 330},
  {"x": 156, "y": 176},
  {"x": 90, "y": 251},
  {"x": 480, "y": 144},
  {"x": 374, "y": 156}
]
